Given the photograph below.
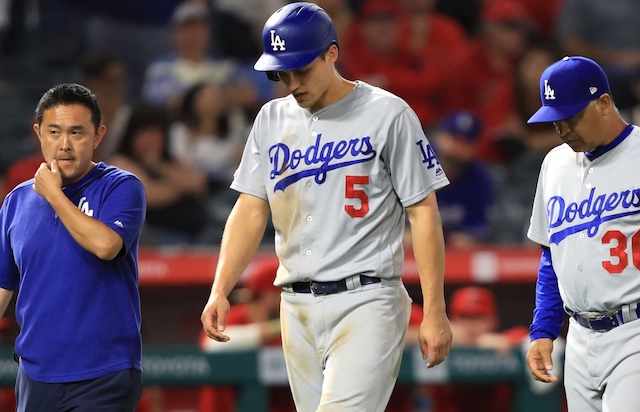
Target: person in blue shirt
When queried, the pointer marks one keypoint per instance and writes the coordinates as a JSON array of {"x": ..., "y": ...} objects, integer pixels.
[
  {"x": 466, "y": 203},
  {"x": 69, "y": 247}
]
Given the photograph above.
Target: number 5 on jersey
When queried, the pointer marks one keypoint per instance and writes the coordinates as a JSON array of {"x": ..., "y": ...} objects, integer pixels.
[{"x": 351, "y": 192}]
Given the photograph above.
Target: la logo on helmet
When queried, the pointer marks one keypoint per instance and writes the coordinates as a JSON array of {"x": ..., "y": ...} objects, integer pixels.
[
  {"x": 276, "y": 41},
  {"x": 549, "y": 93}
]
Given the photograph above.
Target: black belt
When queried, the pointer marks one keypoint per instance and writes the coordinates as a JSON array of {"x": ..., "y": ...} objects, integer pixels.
[
  {"x": 329, "y": 288},
  {"x": 603, "y": 323}
]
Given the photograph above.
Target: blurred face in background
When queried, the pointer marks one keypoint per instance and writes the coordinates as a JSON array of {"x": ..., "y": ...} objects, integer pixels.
[
  {"x": 380, "y": 34},
  {"x": 209, "y": 101},
  {"x": 506, "y": 38},
  {"x": 475, "y": 326},
  {"x": 149, "y": 144},
  {"x": 454, "y": 150},
  {"x": 191, "y": 39},
  {"x": 110, "y": 87}
]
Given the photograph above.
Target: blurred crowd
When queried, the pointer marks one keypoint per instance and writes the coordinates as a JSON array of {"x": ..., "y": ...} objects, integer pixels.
[{"x": 176, "y": 85}]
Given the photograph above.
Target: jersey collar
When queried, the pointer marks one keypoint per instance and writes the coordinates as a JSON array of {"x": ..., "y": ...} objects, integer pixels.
[{"x": 599, "y": 151}]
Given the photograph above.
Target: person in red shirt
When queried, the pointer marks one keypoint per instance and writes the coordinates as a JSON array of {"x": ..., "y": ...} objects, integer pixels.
[
  {"x": 250, "y": 325},
  {"x": 405, "y": 51},
  {"x": 474, "y": 321},
  {"x": 481, "y": 80}
]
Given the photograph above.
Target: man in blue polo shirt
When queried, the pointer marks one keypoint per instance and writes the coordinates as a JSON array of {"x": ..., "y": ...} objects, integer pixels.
[{"x": 69, "y": 246}]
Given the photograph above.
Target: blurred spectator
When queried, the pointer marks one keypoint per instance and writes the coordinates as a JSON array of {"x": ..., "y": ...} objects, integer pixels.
[
  {"x": 474, "y": 322},
  {"x": 536, "y": 137},
  {"x": 250, "y": 325},
  {"x": 231, "y": 15},
  {"x": 167, "y": 79},
  {"x": 474, "y": 317},
  {"x": 388, "y": 48},
  {"x": 7, "y": 395},
  {"x": 609, "y": 33},
  {"x": 481, "y": 80},
  {"x": 466, "y": 12},
  {"x": 201, "y": 137},
  {"x": 20, "y": 170},
  {"x": 105, "y": 76},
  {"x": 544, "y": 15},
  {"x": 256, "y": 322},
  {"x": 5, "y": 21},
  {"x": 341, "y": 14},
  {"x": 516, "y": 180},
  {"x": 465, "y": 203},
  {"x": 176, "y": 193},
  {"x": 434, "y": 36},
  {"x": 373, "y": 49},
  {"x": 134, "y": 32}
]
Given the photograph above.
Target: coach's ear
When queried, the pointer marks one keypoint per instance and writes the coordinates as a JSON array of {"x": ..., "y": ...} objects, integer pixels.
[{"x": 605, "y": 103}]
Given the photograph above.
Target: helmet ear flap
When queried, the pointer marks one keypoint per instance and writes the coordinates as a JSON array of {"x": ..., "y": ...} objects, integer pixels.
[{"x": 273, "y": 76}]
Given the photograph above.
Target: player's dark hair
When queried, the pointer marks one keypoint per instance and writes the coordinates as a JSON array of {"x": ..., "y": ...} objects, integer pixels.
[{"x": 66, "y": 94}]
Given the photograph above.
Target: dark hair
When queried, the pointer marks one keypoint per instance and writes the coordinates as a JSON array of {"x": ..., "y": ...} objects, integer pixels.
[
  {"x": 188, "y": 107},
  {"x": 190, "y": 117},
  {"x": 66, "y": 94},
  {"x": 143, "y": 116},
  {"x": 97, "y": 65}
]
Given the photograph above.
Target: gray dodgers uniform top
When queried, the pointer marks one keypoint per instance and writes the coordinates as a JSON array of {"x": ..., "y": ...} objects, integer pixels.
[
  {"x": 318, "y": 169},
  {"x": 588, "y": 213}
]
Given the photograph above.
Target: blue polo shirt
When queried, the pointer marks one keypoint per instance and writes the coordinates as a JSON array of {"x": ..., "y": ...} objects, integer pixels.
[{"x": 79, "y": 315}]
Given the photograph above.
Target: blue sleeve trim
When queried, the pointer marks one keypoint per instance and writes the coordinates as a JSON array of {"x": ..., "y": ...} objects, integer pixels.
[{"x": 548, "y": 316}]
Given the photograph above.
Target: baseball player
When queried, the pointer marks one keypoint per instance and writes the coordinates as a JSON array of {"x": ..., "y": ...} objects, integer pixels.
[
  {"x": 336, "y": 163},
  {"x": 586, "y": 216}
]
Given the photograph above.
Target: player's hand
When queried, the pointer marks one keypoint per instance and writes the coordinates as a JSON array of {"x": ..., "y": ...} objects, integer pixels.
[
  {"x": 214, "y": 317},
  {"x": 435, "y": 338},
  {"x": 539, "y": 360},
  {"x": 47, "y": 179}
]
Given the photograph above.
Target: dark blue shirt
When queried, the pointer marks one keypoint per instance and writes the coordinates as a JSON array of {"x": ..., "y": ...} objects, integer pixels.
[
  {"x": 79, "y": 315},
  {"x": 464, "y": 204}
]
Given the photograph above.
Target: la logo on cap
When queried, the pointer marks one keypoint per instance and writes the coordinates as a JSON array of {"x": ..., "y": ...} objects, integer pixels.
[
  {"x": 549, "y": 93},
  {"x": 276, "y": 41}
]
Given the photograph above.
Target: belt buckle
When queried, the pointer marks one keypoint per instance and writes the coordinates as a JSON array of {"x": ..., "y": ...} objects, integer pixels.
[
  {"x": 317, "y": 289},
  {"x": 613, "y": 322},
  {"x": 594, "y": 319}
]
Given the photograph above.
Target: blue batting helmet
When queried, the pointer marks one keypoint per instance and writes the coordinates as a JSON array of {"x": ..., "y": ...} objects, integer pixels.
[{"x": 293, "y": 37}]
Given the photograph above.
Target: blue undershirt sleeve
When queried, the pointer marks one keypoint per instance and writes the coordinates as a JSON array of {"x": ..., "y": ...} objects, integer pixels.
[{"x": 548, "y": 316}]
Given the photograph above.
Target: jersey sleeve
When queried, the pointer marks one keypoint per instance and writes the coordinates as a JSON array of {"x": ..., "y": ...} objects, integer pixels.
[
  {"x": 539, "y": 224},
  {"x": 412, "y": 163},
  {"x": 124, "y": 209},
  {"x": 548, "y": 316},
  {"x": 9, "y": 275},
  {"x": 249, "y": 178}
]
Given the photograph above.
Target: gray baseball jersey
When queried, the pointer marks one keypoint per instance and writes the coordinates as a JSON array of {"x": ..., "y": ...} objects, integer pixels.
[
  {"x": 337, "y": 181},
  {"x": 587, "y": 210}
]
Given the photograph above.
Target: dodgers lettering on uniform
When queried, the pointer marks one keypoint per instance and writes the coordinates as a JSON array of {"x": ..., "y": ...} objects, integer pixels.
[
  {"x": 327, "y": 154},
  {"x": 560, "y": 212}
]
